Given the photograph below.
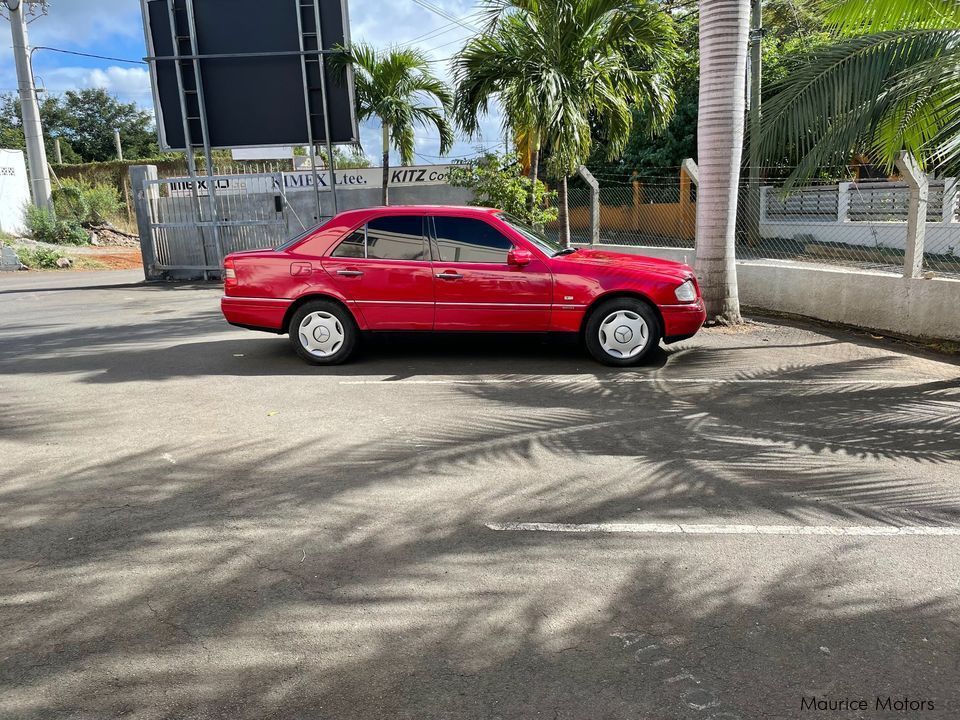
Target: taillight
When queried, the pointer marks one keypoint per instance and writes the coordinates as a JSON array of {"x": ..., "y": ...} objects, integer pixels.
[{"x": 229, "y": 273}]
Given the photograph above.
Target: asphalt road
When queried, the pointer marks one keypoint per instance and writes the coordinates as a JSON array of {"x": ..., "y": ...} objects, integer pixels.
[{"x": 194, "y": 524}]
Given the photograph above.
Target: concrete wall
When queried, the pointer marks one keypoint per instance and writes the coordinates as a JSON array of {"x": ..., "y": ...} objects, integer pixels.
[
  {"x": 872, "y": 300},
  {"x": 14, "y": 191},
  {"x": 877, "y": 301}
]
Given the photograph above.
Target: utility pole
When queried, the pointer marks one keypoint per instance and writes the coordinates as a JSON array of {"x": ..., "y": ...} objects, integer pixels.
[
  {"x": 756, "y": 35},
  {"x": 117, "y": 144},
  {"x": 32, "y": 130}
]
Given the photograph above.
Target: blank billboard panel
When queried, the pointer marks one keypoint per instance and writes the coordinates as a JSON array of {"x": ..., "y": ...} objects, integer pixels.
[{"x": 251, "y": 97}]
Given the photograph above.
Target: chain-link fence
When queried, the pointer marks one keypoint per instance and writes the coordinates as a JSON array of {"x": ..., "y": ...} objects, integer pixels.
[
  {"x": 652, "y": 211},
  {"x": 853, "y": 222}
]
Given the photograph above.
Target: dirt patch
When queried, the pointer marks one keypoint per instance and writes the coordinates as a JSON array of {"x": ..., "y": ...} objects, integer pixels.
[{"x": 117, "y": 259}]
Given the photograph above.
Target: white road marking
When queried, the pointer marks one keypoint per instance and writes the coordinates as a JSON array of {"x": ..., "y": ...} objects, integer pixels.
[
  {"x": 644, "y": 380},
  {"x": 684, "y": 529}
]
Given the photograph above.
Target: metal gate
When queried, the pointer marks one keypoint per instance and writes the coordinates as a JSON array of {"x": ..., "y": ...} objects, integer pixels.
[{"x": 191, "y": 231}]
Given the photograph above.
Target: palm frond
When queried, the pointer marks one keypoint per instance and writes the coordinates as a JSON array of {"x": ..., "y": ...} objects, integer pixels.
[
  {"x": 861, "y": 92},
  {"x": 397, "y": 86},
  {"x": 859, "y": 17},
  {"x": 562, "y": 68}
]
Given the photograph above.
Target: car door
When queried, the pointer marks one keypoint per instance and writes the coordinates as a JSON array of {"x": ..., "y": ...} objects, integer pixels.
[
  {"x": 475, "y": 287},
  {"x": 385, "y": 268}
]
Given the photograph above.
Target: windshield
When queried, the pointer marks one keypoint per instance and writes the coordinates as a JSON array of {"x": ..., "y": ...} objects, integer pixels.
[{"x": 550, "y": 247}]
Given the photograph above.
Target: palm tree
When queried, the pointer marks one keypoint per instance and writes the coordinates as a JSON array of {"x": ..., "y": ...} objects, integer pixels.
[
  {"x": 890, "y": 82},
  {"x": 397, "y": 87},
  {"x": 565, "y": 71},
  {"x": 724, "y": 28}
]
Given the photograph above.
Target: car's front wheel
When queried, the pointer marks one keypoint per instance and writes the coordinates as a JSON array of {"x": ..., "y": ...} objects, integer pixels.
[
  {"x": 323, "y": 333},
  {"x": 622, "y": 332}
]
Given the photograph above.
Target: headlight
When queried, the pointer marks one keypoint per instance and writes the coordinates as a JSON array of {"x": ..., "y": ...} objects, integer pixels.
[{"x": 686, "y": 292}]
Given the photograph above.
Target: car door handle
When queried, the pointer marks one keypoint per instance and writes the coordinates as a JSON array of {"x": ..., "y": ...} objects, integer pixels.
[
  {"x": 448, "y": 275},
  {"x": 350, "y": 273}
]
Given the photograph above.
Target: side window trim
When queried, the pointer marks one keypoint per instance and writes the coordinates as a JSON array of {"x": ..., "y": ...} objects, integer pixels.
[
  {"x": 435, "y": 240},
  {"x": 426, "y": 234},
  {"x": 430, "y": 231}
]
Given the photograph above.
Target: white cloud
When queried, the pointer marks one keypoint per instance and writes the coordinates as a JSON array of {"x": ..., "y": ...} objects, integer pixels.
[
  {"x": 86, "y": 23},
  {"x": 129, "y": 84}
]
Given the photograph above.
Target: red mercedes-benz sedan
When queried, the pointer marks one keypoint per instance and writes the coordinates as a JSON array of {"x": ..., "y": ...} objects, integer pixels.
[{"x": 455, "y": 269}]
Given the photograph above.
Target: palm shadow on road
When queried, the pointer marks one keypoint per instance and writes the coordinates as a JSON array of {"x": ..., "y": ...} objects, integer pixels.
[{"x": 268, "y": 583}]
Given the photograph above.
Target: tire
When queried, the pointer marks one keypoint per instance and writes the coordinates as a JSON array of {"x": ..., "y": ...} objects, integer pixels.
[
  {"x": 613, "y": 328},
  {"x": 330, "y": 336}
]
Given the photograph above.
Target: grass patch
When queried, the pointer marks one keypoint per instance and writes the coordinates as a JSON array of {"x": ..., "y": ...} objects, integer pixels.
[
  {"x": 40, "y": 258},
  {"x": 45, "y": 227}
]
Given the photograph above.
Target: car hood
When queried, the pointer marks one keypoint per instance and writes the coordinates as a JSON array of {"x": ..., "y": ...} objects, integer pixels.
[{"x": 643, "y": 263}]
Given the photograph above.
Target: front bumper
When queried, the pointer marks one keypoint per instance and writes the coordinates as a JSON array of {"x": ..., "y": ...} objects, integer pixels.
[{"x": 683, "y": 320}]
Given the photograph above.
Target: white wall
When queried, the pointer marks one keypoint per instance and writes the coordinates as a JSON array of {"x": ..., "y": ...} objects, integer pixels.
[
  {"x": 872, "y": 300},
  {"x": 939, "y": 236},
  {"x": 14, "y": 191}
]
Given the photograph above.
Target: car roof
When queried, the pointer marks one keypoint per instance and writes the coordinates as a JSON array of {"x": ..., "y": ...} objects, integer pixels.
[{"x": 458, "y": 210}]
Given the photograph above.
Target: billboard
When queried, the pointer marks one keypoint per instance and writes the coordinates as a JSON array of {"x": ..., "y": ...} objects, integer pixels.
[{"x": 248, "y": 76}]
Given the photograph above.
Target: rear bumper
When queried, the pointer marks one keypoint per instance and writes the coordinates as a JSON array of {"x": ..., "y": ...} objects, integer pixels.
[
  {"x": 255, "y": 313},
  {"x": 682, "y": 321}
]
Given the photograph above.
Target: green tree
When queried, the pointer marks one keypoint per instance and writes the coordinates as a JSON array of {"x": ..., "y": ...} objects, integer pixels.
[
  {"x": 888, "y": 83},
  {"x": 497, "y": 181},
  {"x": 397, "y": 87},
  {"x": 84, "y": 120},
  {"x": 791, "y": 27},
  {"x": 565, "y": 72},
  {"x": 90, "y": 117},
  {"x": 343, "y": 159}
]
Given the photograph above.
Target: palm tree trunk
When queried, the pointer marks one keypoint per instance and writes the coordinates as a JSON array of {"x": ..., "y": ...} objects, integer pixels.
[
  {"x": 724, "y": 26},
  {"x": 564, "y": 218},
  {"x": 386, "y": 163},
  {"x": 534, "y": 161}
]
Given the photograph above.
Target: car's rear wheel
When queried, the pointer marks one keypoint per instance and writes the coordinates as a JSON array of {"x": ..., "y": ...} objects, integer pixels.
[
  {"x": 622, "y": 332},
  {"x": 323, "y": 333}
]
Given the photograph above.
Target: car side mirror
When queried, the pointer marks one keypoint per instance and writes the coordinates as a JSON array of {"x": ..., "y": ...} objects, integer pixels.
[{"x": 518, "y": 257}]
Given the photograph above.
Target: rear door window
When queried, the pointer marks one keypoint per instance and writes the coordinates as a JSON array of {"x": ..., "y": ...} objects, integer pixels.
[{"x": 396, "y": 237}]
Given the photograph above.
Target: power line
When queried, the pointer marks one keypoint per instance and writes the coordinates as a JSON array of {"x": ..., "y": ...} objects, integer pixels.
[
  {"x": 437, "y": 47},
  {"x": 87, "y": 55},
  {"x": 436, "y": 31},
  {"x": 445, "y": 15}
]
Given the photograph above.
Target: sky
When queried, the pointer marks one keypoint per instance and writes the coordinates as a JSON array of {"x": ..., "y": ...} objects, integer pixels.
[{"x": 114, "y": 28}]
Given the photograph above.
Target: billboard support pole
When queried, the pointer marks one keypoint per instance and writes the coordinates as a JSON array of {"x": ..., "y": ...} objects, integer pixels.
[
  {"x": 204, "y": 131},
  {"x": 188, "y": 142},
  {"x": 322, "y": 60},
  {"x": 306, "y": 106}
]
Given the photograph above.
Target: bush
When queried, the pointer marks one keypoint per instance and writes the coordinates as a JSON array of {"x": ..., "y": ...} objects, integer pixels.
[
  {"x": 69, "y": 201},
  {"x": 85, "y": 203},
  {"x": 40, "y": 258},
  {"x": 496, "y": 181},
  {"x": 43, "y": 226}
]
